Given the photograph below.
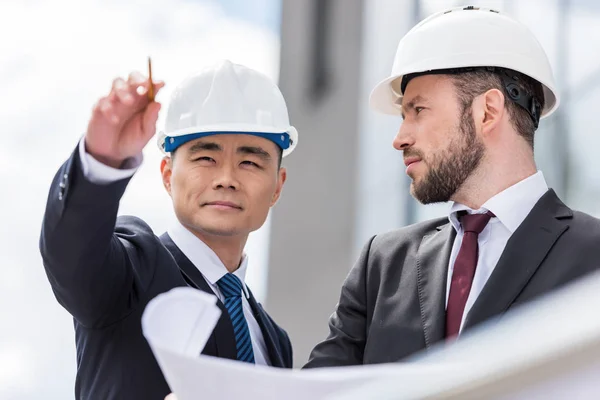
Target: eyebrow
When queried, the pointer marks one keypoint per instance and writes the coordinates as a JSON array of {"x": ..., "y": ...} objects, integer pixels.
[
  {"x": 200, "y": 145},
  {"x": 254, "y": 150},
  {"x": 411, "y": 104}
]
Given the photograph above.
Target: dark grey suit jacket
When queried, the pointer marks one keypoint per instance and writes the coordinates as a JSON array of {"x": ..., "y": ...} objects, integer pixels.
[
  {"x": 392, "y": 303},
  {"x": 104, "y": 270}
]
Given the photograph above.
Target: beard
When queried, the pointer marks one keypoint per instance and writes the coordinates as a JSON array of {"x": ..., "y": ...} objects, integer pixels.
[{"x": 449, "y": 169}]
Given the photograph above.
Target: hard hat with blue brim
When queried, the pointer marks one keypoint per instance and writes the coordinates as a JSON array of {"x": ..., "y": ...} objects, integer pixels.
[{"x": 227, "y": 98}]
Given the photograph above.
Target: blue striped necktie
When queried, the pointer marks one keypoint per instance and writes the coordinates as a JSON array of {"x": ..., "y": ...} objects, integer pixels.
[{"x": 231, "y": 287}]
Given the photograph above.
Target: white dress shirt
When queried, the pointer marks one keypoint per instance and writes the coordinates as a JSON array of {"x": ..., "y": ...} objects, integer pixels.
[
  {"x": 102, "y": 174},
  {"x": 203, "y": 258},
  {"x": 212, "y": 270},
  {"x": 510, "y": 207}
]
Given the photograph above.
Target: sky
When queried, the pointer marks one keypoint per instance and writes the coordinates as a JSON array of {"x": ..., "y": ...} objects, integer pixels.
[{"x": 58, "y": 58}]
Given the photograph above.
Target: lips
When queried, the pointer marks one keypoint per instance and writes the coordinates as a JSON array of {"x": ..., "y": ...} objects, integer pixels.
[
  {"x": 223, "y": 204},
  {"x": 411, "y": 160}
]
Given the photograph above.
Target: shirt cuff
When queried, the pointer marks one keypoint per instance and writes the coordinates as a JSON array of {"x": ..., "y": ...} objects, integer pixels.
[{"x": 96, "y": 172}]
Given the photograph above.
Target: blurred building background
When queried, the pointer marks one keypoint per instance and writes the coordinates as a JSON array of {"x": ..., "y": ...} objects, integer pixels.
[{"x": 346, "y": 182}]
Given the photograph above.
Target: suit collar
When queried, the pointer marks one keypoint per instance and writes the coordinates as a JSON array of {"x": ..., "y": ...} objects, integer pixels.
[
  {"x": 512, "y": 205},
  {"x": 191, "y": 274},
  {"x": 203, "y": 257},
  {"x": 522, "y": 256}
]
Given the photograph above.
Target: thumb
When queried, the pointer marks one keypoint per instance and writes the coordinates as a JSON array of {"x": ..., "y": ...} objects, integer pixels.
[{"x": 149, "y": 120}]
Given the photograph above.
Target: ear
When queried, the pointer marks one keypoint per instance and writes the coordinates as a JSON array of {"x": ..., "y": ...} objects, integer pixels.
[
  {"x": 281, "y": 177},
  {"x": 166, "y": 169},
  {"x": 491, "y": 111}
]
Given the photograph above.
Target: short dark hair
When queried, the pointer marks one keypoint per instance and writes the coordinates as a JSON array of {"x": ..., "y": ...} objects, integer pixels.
[
  {"x": 279, "y": 156},
  {"x": 473, "y": 83}
]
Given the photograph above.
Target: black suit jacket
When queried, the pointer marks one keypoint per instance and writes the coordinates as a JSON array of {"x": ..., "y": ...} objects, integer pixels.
[
  {"x": 104, "y": 270},
  {"x": 392, "y": 303}
]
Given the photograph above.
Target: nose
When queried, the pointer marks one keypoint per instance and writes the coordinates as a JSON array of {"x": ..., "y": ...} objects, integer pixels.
[
  {"x": 404, "y": 138},
  {"x": 226, "y": 178}
]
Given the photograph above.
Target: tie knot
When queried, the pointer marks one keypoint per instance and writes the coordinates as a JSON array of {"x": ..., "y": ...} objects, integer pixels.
[
  {"x": 230, "y": 286},
  {"x": 474, "y": 223}
]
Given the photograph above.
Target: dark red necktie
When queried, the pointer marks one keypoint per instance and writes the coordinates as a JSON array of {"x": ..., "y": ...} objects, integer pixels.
[{"x": 464, "y": 269}]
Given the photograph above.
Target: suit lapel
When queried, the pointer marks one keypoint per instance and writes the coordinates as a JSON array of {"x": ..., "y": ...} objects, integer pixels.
[
  {"x": 268, "y": 331},
  {"x": 222, "y": 341},
  {"x": 522, "y": 256},
  {"x": 433, "y": 257},
  {"x": 190, "y": 273}
]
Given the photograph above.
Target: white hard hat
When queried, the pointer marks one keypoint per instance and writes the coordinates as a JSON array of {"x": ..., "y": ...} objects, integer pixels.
[
  {"x": 464, "y": 37},
  {"x": 227, "y": 98}
]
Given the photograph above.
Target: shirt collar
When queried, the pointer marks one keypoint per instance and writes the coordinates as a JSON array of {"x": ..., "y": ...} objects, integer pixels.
[
  {"x": 511, "y": 206},
  {"x": 203, "y": 257}
]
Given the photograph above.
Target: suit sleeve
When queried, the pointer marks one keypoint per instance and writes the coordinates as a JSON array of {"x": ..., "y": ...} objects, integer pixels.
[
  {"x": 96, "y": 172},
  {"x": 345, "y": 343},
  {"x": 89, "y": 266}
]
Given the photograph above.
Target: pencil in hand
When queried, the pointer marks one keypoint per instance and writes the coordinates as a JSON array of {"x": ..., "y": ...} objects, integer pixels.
[{"x": 150, "y": 83}]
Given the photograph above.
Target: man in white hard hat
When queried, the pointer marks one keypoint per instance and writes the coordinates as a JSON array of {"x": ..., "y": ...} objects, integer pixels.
[
  {"x": 227, "y": 129},
  {"x": 471, "y": 85}
]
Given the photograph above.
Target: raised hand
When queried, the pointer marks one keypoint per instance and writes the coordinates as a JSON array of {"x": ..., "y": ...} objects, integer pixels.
[{"x": 123, "y": 122}]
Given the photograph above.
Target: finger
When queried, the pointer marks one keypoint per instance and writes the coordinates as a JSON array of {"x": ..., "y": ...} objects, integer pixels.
[
  {"x": 149, "y": 119},
  {"x": 157, "y": 86},
  {"x": 105, "y": 109},
  {"x": 118, "y": 83},
  {"x": 171, "y": 397},
  {"x": 122, "y": 92},
  {"x": 136, "y": 78},
  {"x": 136, "y": 82},
  {"x": 143, "y": 89}
]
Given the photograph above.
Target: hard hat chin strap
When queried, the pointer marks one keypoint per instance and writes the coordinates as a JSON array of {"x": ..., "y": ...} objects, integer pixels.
[{"x": 510, "y": 82}]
